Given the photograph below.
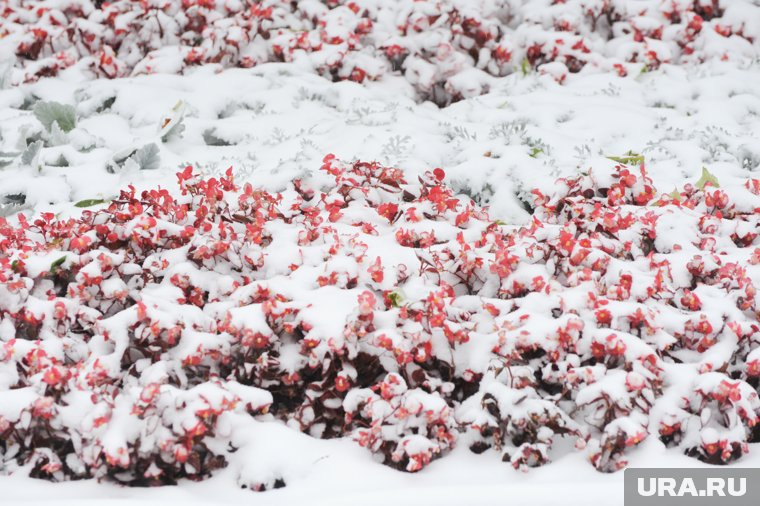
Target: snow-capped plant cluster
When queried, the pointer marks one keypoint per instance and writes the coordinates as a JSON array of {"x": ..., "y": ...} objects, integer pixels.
[
  {"x": 392, "y": 312},
  {"x": 446, "y": 49}
]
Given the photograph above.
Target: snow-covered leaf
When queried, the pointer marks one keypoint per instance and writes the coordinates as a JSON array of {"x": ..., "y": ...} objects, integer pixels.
[
  {"x": 211, "y": 139},
  {"x": 171, "y": 125},
  {"x": 53, "y": 112},
  {"x": 57, "y": 136},
  {"x": 31, "y": 155},
  {"x": 5, "y": 76},
  {"x": 147, "y": 157},
  {"x": 707, "y": 178},
  {"x": 629, "y": 158}
]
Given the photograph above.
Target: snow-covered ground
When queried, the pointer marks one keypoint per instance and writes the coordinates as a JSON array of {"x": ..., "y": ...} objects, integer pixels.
[
  {"x": 340, "y": 473},
  {"x": 275, "y": 123}
]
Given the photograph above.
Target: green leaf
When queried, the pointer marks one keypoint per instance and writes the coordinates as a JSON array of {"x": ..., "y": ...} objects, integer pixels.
[
  {"x": 525, "y": 66},
  {"x": 500, "y": 223},
  {"x": 53, "y": 112},
  {"x": 89, "y": 202},
  {"x": 629, "y": 158},
  {"x": 675, "y": 195},
  {"x": 54, "y": 266},
  {"x": 707, "y": 178},
  {"x": 535, "y": 152},
  {"x": 396, "y": 299}
]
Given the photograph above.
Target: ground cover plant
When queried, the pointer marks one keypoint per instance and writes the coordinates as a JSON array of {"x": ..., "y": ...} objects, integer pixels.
[
  {"x": 132, "y": 331},
  {"x": 447, "y": 50},
  {"x": 375, "y": 251}
]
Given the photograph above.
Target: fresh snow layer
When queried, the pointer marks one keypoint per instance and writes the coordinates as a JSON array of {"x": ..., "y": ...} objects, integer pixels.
[
  {"x": 280, "y": 122},
  {"x": 275, "y": 123},
  {"x": 340, "y": 473}
]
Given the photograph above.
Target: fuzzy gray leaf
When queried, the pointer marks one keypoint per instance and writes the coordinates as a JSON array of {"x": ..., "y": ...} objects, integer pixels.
[
  {"x": 211, "y": 138},
  {"x": 57, "y": 136},
  {"x": 53, "y": 112},
  {"x": 31, "y": 153},
  {"x": 147, "y": 157},
  {"x": 5, "y": 76}
]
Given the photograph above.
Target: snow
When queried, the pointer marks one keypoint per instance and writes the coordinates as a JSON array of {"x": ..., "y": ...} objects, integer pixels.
[
  {"x": 680, "y": 119},
  {"x": 335, "y": 472},
  {"x": 273, "y": 124}
]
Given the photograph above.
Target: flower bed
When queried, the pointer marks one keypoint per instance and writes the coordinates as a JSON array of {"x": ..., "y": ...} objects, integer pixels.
[
  {"x": 394, "y": 313},
  {"x": 447, "y": 50}
]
